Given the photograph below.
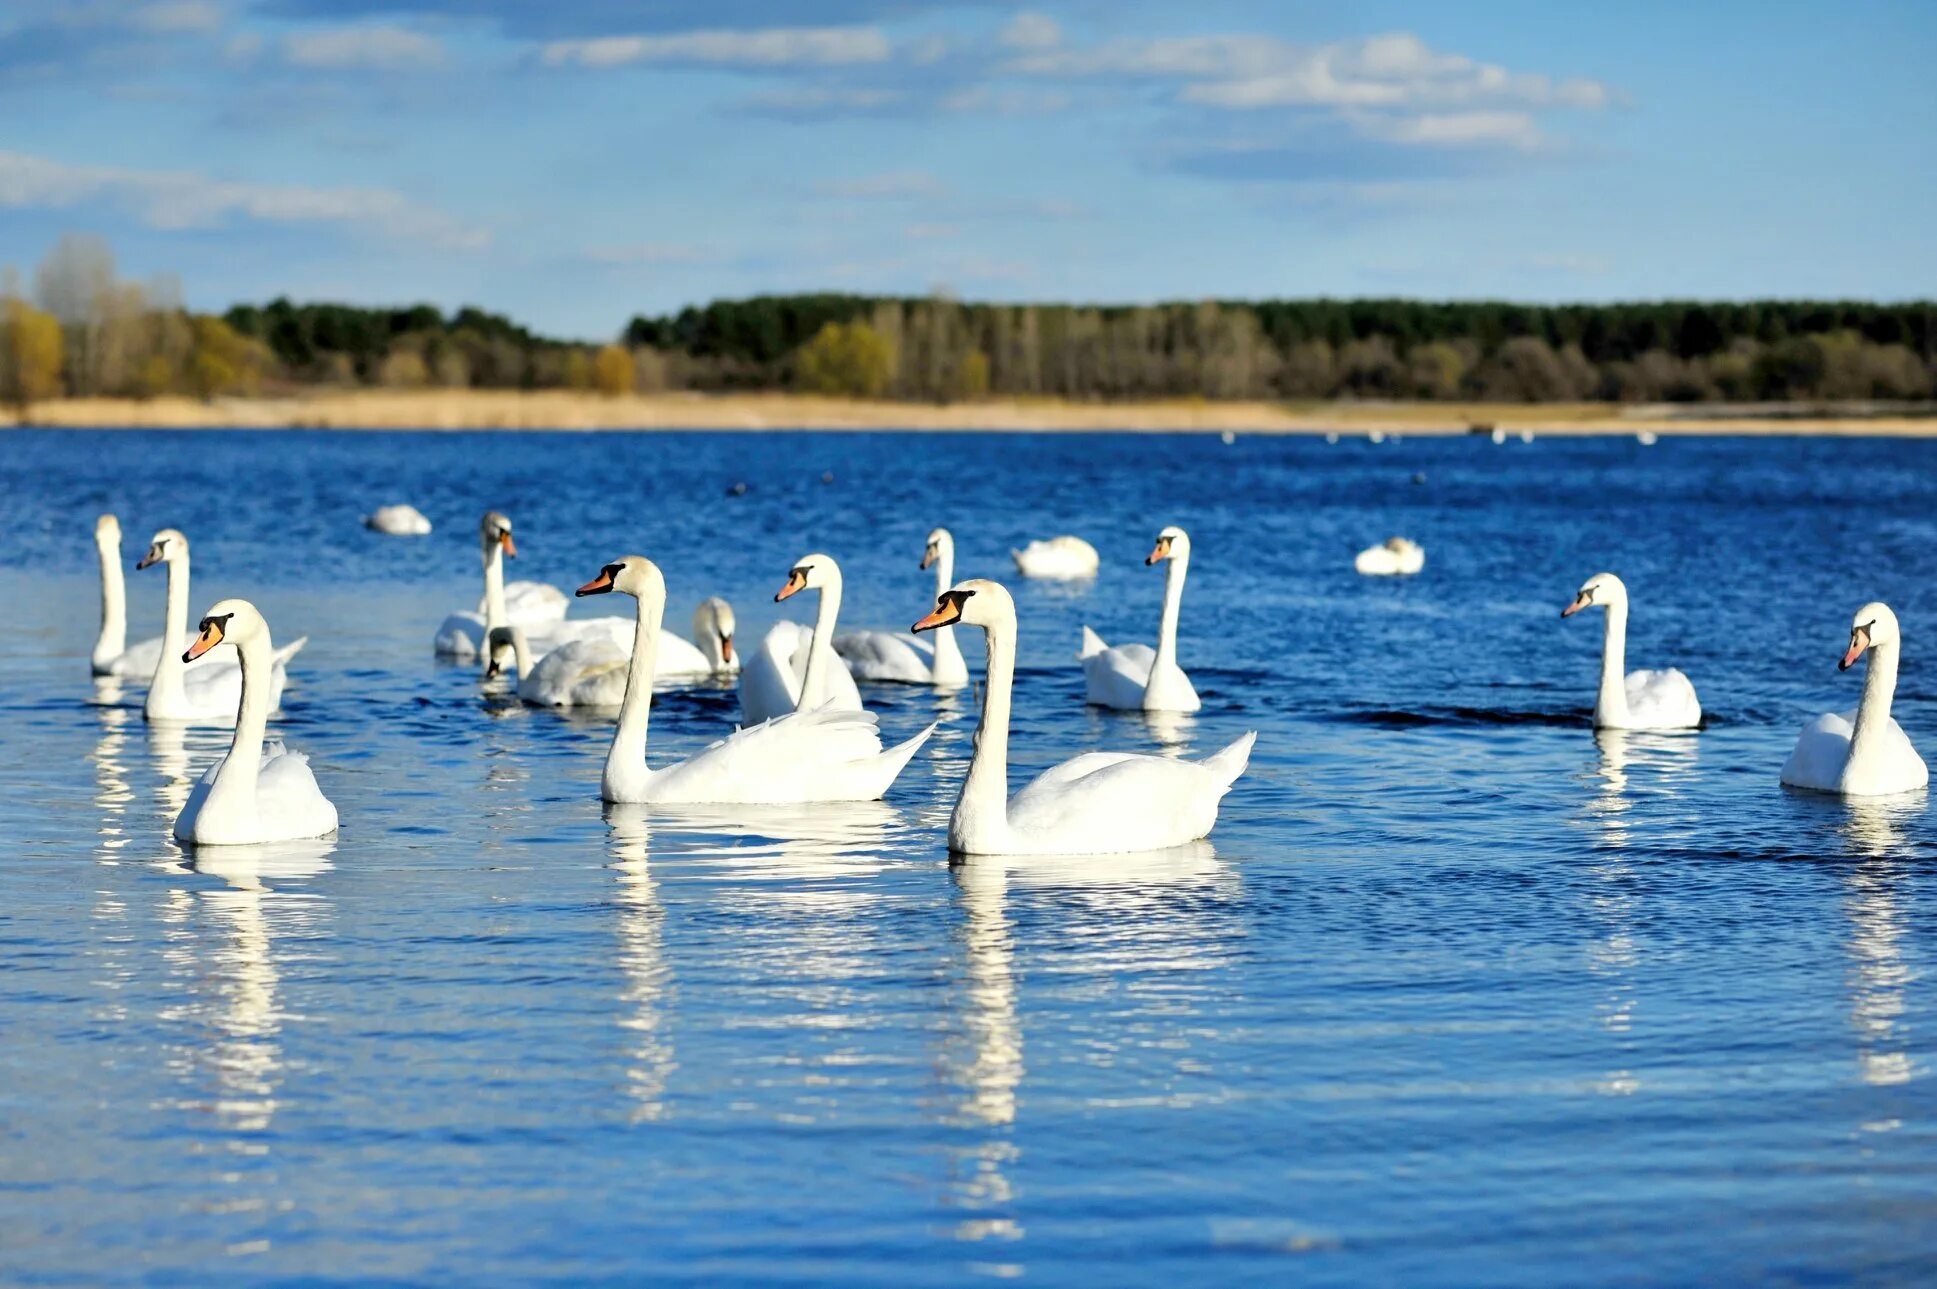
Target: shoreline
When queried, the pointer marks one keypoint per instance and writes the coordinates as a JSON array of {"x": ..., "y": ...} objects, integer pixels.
[{"x": 578, "y": 410}]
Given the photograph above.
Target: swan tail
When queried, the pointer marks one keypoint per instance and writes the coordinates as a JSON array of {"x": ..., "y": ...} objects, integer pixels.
[
  {"x": 1092, "y": 643},
  {"x": 1228, "y": 763},
  {"x": 291, "y": 649},
  {"x": 893, "y": 761}
]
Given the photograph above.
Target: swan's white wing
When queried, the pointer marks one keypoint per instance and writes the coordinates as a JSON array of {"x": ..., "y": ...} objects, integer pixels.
[
  {"x": 137, "y": 661},
  {"x": 886, "y": 655},
  {"x": 1116, "y": 676},
  {"x": 1821, "y": 760},
  {"x": 769, "y": 686},
  {"x": 288, "y": 651},
  {"x": 1663, "y": 699},
  {"x": 679, "y": 657},
  {"x": 827, "y": 754},
  {"x": 589, "y": 672},
  {"x": 1109, "y": 802},
  {"x": 289, "y": 804},
  {"x": 461, "y": 635},
  {"x": 1821, "y": 751}
]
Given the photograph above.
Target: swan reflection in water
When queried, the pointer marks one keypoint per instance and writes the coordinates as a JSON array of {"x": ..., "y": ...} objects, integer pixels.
[
  {"x": 647, "y": 994},
  {"x": 1879, "y": 974},
  {"x": 112, "y": 791}
]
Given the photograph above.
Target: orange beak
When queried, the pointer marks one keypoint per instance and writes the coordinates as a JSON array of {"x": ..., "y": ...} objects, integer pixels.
[
  {"x": 1580, "y": 602},
  {"x": 1859, "y": 641},
  {"x": 1160, "y": 554},
  {"x": 945, "y": 613},
  {"x": 928, "y": 557},
  {"x": 510, "y": 547},
  {"x": 726, "y": 648},
  {"x": 211, "y": 636},
  {"x": 597, "y": 586},
  {"x": 796, "y": 581}
]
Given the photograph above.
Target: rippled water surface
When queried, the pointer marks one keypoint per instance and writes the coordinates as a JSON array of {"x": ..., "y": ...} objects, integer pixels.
[{"x": 1458, "y": 992}]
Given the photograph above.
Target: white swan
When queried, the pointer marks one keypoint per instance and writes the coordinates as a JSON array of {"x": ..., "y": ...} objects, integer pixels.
[
  {"x": 1864, "y": 753},
  {"x": 1061, "y": 559},
  {"x": 397, "y": 521},
  {"x": 796, "y": 669},
  {"x": 1393, "y": 557},
  {"x": 589, "y": 670},
  {"x": 255, "y": 793},
  {"x": 1097, "y": 803},
  {"x": 1632, "y": 700},
  {"x": 1134, "y": 677},
  {"x": 208, "y": 694},
  {"x": 822, "y": 754},
  {"x": 894, "y": 656},
  {"x": 713, "y": 629},
  {"x": 112, "y": 655},
  {"x": 526, "y": 604}
]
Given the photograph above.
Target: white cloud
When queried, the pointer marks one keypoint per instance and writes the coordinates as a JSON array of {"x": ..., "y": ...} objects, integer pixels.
[
  {"x": 1031, "y": 31},
  {"x": 362, "y": 49},
  {"x": 168, "y": 199},
  {"x": 1455, "y": 129},
  {"x": 820, "y": 100},
  {"x": 771, "y": 47}
]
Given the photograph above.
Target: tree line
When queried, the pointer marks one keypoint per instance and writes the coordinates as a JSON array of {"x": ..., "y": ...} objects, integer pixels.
[{"x": 83, "y": 331}]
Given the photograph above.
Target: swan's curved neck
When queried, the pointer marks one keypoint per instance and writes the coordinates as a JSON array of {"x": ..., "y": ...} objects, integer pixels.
[
  {"x": 1179, "y": 566},
  {"x": 1611, "y": 703},
  {"x": 1873, "y": 712},
  {"x": 948, "y": 653},
  {"x": 236, "y": 780},
  {"x": 166, "y": 695},
  {"x": 625, "y": 763},
  {"x": 820, "y": 651},
  {"x": 494, "y": 611},
  {"x": 113, "y": 640},
  {"x": 512, "y": 638},
  {"x": 981, "y": 815}
]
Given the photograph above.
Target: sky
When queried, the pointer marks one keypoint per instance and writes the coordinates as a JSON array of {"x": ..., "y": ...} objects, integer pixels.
[{"x": 575, "y": 162}]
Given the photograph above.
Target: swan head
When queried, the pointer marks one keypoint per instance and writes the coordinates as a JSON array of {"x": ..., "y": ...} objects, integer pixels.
[
  {"x": 232, "y": 620},
  {"x": 1603, "y": 589},
  {"x": 635, "y": 575},
  {"x": 1172, "y": 543},
  {"x": 815, "y": 572},
  {"x": 166, "y": 546},
  {"x": 713, "y": 620},
  {"x": 940, "y": 542},
  {"x": 107, "y": 529},
  {"x": 977, "y": 602},
  {"x": 1873, "y": 627},
  {"x": 495, "y": 530}
]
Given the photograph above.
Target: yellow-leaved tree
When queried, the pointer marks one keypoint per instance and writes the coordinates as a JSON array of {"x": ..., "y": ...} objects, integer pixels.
[
  {"x": 851, "y": 359},
  {"x": 30, "y": 353},
  {"x": 612, "y": 371}
]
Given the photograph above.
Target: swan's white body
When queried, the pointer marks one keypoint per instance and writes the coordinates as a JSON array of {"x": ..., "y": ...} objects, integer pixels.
[
  {"x": 1135, "y": 677},
  {"x": 1632, "y": 700},
  {"x": 257, "y": 792},
  {"x": 525, "y": 604},
  {"x": 1060, "y": 559},
  {"x": 397, "y": 521},
  {"x": 1094, "y": 804},
  {"x": 210, "y": 692},
  {"x": 1393, "y": 557},
  {"x": 590, "y": 669},
  {"x": 822, "y": 754},
  {"x": 907, "y": 659},
  {"x": 796, "y": 669},
  {"x": 112, "y": 655},
  {"x": 1864, "y": 753}
]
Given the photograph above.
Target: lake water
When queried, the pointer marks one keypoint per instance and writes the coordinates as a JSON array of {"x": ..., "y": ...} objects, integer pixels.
[{"x": 1458, "y": 993}]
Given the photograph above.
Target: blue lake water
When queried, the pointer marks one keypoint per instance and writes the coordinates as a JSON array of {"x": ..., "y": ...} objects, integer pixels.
[{"x": 1459, "y": 993}]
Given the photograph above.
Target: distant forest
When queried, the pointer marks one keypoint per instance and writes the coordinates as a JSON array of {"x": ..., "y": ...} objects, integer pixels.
[{"x": 83, "y": 331}]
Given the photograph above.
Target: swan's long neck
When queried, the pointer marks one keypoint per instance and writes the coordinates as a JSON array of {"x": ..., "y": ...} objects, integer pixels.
[
  {"x": 982, "y": 812},
  {"x": 820, "y": 652},
  {"x": 236, "y": 780},
  {"x": 1873, "y": 713},
  {"x": 494, "y": 611},
  {"x": 165, "y": 691},
  {"x": 626, "y": 762},
  {"x": 948, "y": 653},
  {"x": 514, "y": 637},
  {"x": 1611, "y": 703},
  {"x": 113, "y": 640},
  {"x": 1179, "y": 566}
]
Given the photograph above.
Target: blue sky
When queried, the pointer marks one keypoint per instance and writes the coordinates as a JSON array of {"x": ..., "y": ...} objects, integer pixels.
[{"x": 575, "y": 162}]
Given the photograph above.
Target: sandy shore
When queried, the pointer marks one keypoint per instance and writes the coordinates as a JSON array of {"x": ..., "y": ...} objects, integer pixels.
[{"x": 569, "y": 410}]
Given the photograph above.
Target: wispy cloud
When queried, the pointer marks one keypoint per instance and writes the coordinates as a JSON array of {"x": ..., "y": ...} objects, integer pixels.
[
  {"x": 362, "y": 49},
  {"x": 776, "y": 47},
  {"x": 166, "y": 199}
]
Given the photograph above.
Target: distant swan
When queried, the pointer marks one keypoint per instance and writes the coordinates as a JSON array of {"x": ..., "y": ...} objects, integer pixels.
[
  {"x": 795, "y": 669},
  {"x": 1636, "y": 700},
  {"x": 1864, "y": 753},
  {"x": 589, "y": 669},
  {"x": 821, "y": 754},
  {"x": 893, "y": 656},
  {"x": 1133, "y": 677},
  {"x": 209, "y": 694},
  {"x": 1058, "y": 559},
  {"x": 255, "y": 793},
  {"x": 525, "y": 604},
  {"x": 112, "y": 655},
  {"x": 397, "y": 521},
  {"x": 1097, "y": 803},
  {"x": 1393, "y": 557}
]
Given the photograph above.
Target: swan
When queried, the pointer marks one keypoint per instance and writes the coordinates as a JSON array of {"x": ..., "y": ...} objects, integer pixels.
[
  {"x": 1133, "y": 677},
  {"x": 255, "y": 793},
  {"x": 821, "y": 754},
  {"x": 527, "y": 604},
  {"x": 208, "y": 694},
  {"x": 1864, "y": 753},
  {"x": 1636, "y": 700},
  {"x": 713, "y": 628},
  {"x": 890, "y": 655},
  {"x": 1096, "y": 803},
  {"x": 1060, "y": 559},
  {"x": 397, "y": 521},
  {"x": 112, "y": 655},
  {"x": 1395, "y": 556},
  {"x": 796, "y": 669},
  {"x": 589, "y": 670}
]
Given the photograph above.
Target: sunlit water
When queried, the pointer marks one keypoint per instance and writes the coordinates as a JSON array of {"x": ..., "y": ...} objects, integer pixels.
[{"x": 1457, "y": 993}]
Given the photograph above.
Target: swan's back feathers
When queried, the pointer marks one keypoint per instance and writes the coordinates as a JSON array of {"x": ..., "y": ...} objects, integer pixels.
[
  {"x": 1115, "y": 676},
  {"x": 290, "y": 650},
  {"x": 886, "y": 655},
  {"x": 827, "y": 754},
  {"x": 1112, "y": 802},
  {"x": 1820, "y": 761},
  {"x": 288, "y": 805},
  {"x": 1092, "y": 643},
  {"x": 1228, "y": 762},
  {"x": 1661, "y": 699}
]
